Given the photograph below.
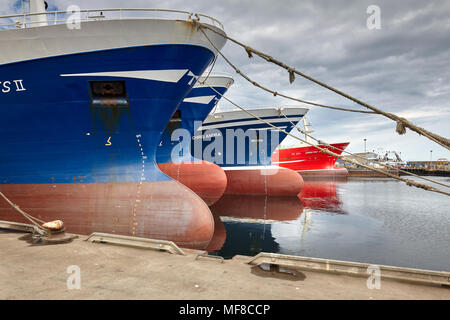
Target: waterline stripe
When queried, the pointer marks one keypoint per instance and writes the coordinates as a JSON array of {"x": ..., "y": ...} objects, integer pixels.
[
  {"x": 246, "y": 123},
  {"x": 275, "y": 162},
  {"x": 244, "y": 167},
  {"x": 200, "y": 100}
]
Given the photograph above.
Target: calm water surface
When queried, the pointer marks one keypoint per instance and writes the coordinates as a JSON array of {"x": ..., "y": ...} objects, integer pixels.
[{"x": 379, "y": 221}]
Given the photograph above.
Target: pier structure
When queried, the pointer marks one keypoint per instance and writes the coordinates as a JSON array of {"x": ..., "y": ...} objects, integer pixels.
[{"x": 123, "y": 268}]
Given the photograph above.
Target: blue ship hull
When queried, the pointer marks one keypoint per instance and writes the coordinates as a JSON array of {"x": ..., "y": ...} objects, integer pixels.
[
  {"x": 170, "y": 151},
  {"x": 174, "y": 155},
  {"x": 53, "y": 132},
  {"x": 243, "y": 145},
  {"x": 87, "y": 157},
  {"x": 241, "y": 142}
]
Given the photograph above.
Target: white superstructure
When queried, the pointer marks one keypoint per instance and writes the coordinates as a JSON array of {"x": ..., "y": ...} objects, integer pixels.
[{"x": 27, "y": 36}]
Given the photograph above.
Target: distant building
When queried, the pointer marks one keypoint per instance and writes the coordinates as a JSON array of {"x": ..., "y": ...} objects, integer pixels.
[{"x": 441, "y": 164}]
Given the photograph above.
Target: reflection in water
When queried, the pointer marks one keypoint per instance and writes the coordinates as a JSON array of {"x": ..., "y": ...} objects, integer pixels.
[
  {"x": 243, "y": 223},
  {"x": 245, "y": 207},
  {"x": 220, "y": 235},
  {"x": 321, "y": 195},
  {"x": 377, "y": 221}
]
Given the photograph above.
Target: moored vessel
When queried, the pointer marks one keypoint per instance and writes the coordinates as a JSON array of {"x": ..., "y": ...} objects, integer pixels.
[
  {"x": 309, "y": 160},
  {"x": 82, "y": 108},
  {"x": 174, "y": 155},
  {"x": 242, "y": 145}
]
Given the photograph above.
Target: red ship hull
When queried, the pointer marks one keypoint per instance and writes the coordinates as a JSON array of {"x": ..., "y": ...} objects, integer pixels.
[
  {"x": 309, "y": 160},
  {"x": 273, "y": 181},
  {"x": 206, "y": 179},
  {"x": 164, "y": 210}
]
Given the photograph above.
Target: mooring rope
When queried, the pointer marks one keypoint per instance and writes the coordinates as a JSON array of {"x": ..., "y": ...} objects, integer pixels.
[
  {"x": 402, "y": 123},
  {"x": 362, "y": 158},
  {"x": 210, "y": 70},
  {"x": 38, "y": 228},
  {"x": 276, "y": 93},
  {"x": 407, "y": 181}
]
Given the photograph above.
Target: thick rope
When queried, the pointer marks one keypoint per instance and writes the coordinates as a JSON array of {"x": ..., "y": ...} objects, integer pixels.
[
  {"x": 407, "y": 181},
  {"x": 362, "y": 158},
  {"x": 275, "y": 93},
  {"x": 207, "y": 77},
  {"x": 38, "y": 228},
  {"x": 402, "y": 123},
  {"x": 210, "y": 70}
]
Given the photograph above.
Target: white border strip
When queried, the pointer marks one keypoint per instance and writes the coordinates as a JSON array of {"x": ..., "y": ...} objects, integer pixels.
[
  {"x": 200, "y": 100},
  {"x": 246, "y": 123},
  {"x": 155, "y": 75}
]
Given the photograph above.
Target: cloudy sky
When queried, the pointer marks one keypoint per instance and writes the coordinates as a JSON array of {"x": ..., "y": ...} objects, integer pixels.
[{"x": 403, "y": 67}]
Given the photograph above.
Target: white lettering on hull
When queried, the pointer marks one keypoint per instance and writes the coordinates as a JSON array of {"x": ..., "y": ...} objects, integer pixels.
[{"x": 9, "y": 86}]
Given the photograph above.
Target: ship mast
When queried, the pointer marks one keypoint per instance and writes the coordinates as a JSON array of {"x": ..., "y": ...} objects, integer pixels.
[
  {"x": 38, "y": 6},
  {"x": 307, "y": 129}
]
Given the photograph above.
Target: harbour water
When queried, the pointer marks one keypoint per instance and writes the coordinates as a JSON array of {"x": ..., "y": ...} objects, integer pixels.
[{"x": 370, "y": 220}]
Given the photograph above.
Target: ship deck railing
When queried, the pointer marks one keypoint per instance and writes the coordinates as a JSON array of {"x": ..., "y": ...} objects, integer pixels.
[
  {"x": 216, "y": 74},
  {"x": 21, "y": 21}
]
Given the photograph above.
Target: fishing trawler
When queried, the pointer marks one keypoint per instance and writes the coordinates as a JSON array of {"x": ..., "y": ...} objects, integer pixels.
[
  {"x": 307, "y": 159},
  {"x": 174, "y": 156},
  {"x": 85, "y": 98},
  {"x": 242, "y": 145}
]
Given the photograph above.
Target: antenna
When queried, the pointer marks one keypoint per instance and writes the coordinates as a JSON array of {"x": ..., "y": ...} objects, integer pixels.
[{"x": 307, "y": 127}]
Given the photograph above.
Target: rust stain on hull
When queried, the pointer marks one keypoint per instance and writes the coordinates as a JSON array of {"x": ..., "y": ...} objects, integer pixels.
[
  {"x": 167, "y": 210},
  {"x": 206, "y": 179},
  {"x": 272, "y": 182}
]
